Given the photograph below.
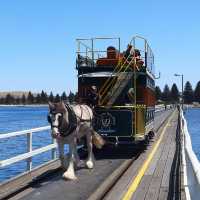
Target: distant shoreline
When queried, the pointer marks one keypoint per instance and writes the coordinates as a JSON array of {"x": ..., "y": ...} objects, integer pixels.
[{"x": 26, "y": 105}]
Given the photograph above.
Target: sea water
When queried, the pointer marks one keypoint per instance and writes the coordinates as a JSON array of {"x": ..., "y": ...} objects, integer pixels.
[
  {"x": 192, "y": 115},
  {"x": 18, "y": 118}
]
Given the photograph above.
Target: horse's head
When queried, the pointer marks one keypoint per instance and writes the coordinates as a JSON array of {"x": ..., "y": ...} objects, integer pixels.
[{"x": 58, "y": 118}]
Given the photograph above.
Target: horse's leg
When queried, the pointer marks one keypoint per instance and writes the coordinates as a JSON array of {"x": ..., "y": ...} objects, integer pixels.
[
  {"x": 89, "y": 162},
  {"x": 61, "y": 154},
  {"x": 70, "y": 174},
  {"x": 76, "y": 156}
]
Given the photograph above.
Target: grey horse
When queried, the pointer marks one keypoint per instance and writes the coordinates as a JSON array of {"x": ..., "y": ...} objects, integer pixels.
[{"x": 68, "y": 125}]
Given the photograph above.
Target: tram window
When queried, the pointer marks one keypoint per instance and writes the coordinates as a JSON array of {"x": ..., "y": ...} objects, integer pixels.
[{"x": 150, "y": 83}]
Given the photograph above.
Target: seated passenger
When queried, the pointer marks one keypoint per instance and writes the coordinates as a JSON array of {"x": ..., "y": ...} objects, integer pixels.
[
  {"x": 139, "y": 61},
  {"x": 128, "y": 51},
  {"x": 137, "y": 53},
  {"x": 111, "y": 52}
]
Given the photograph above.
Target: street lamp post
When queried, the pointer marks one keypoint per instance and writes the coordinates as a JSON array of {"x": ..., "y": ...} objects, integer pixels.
[{"x": 182, "y": 87}]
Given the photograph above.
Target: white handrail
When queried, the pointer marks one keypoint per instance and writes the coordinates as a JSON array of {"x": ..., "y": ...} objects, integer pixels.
[
  {"x": 30, "y": 153},
  {"x": 24, "y": 156},
  {"x": 191, "y": 165},
  {"x": 17, "y": 133}
]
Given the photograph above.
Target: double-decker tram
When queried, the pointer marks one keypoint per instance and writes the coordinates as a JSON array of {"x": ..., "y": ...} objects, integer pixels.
[{"x": 122, "y": 83}]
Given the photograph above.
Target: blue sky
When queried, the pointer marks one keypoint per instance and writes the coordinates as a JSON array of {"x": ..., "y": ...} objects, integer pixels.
[{"x": 37, "y": 38}]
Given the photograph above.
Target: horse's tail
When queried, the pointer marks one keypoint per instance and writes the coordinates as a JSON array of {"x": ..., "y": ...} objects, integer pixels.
[{"x": 97, "y": 140}]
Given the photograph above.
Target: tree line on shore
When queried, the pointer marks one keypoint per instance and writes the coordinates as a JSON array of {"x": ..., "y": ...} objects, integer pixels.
[
  {"x": 166, "y": 96},
  {"x": 173, "y": 95},
  {"x": 40, "y": 98}
]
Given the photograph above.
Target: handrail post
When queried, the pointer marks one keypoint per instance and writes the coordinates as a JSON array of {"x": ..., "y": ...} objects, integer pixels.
[
  {"x": 146, "y": 53},
  {"x": 86, "y": 52},
  {"x": 119, "y": 44},
  {"x": 53, "y": 151},
  {"x": 78, "y": 46},
  {"x": 92, "y": 51},
  {"x": 29, "y": 149}
]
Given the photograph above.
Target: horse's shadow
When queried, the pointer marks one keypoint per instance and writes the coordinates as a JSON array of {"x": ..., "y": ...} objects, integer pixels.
[{"x": 112, "y": 152}]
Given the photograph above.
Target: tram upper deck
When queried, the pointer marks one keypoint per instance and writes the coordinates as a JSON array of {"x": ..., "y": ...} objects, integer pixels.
[
  {"x": 104, "y": 54},
  {"x": 101, "y": 62}
]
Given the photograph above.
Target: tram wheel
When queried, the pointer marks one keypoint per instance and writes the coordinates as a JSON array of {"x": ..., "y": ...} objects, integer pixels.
[
  {"x": 146, "y": 140},
  {"x": 151, "y": 134}
]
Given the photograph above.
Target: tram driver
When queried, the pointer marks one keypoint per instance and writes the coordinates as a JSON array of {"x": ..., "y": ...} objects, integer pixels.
[
  {"x": 93, "y": 96},
  {"x": 131, "y": 95}
]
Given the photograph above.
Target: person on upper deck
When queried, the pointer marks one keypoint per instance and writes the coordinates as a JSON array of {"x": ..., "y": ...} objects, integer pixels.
[
  {"x": 137, "y": 53},
  {"x": 128, "y": 51}
]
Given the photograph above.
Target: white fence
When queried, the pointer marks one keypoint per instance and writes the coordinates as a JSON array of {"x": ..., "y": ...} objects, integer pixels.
[
  {"x": 30, "y": 153},
  {"x": 191, "y": 165}
]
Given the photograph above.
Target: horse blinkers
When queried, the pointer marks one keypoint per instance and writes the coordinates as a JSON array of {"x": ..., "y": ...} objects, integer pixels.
[
  {"x": 64, "y": 128},
  {"x": 60, "y": 118},
  {"x": 49, "y": 119}
]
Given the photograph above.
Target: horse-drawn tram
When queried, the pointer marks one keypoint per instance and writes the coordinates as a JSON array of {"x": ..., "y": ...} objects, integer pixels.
[{"x": 119, "y": 85}]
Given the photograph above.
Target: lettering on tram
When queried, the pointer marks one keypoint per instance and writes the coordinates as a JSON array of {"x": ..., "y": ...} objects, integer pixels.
[{"x": 119, "y": 85}]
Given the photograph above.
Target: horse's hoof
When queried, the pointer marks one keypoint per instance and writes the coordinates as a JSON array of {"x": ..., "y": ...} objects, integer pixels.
[
  {"x": 64, "y": 168},
  {"x": 79, "y": 164},
  {"x": 68, "y": 176},
  {"x": 89, "y": 164}
]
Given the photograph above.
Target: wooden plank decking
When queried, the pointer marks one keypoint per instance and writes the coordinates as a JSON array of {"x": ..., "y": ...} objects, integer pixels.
[{"x": 155, "y": 183}]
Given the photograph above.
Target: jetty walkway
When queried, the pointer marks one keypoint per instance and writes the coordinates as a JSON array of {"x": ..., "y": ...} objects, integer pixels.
[
  {"x": 149, "y": 172},
  {"x": 155, "y": 174}
]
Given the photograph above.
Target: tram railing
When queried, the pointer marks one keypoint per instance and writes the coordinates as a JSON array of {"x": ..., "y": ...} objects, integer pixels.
[
  {"x": 146, "y": 52},
  {"x": 90, "y": 49},
  {"x": 30, "y": 152}
]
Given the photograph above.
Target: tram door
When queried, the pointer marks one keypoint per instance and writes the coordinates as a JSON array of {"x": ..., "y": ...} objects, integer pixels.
[
  {"x": 140, "y": 106},
  {"x": 140, "y": 121}
]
